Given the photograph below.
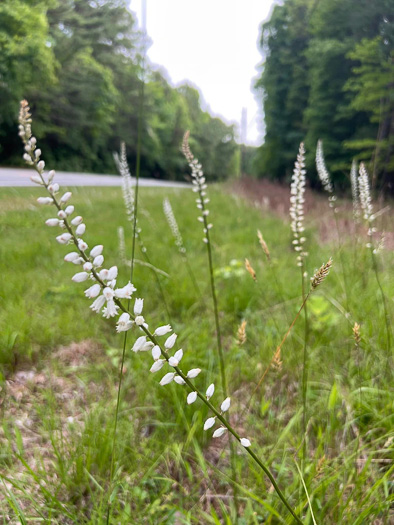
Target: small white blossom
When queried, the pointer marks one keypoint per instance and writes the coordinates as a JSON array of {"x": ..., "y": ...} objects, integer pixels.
[
  {"x": 210, "y": 391},
  {"x": 98, "y": 261},
  {"x": 138, "y": 345},
  {"x": 72, "y": 256},
  {"x": 41, "y": 165},
  {"x": 163, "y": 330},
  {"x": 76, "y": 221},
  {"x": 53, "y": 188},
  {"x": 138, "y": 306},
  {"x": 191, "y": 398},
  {"x": 98, "y": 304},
  {"x": 209, "y": 423},
  {"x": 245, "y": 442},
  {"x": 81, "y": 229},
  {"x": 112, "y": 273},
  {"x": 45, "y": 200},
  {"x": 108, "y": 293},
  {"x": 111, "y": 309},
  {"x": 82, "y": 245},
  {"x": 61, "y": 214},
  {"x": 63, "y": 238},
  {"x": 174, "y": 361},
  {"x": 93, "y": 291},
  {"x": 165, "y": 380},
  {"x": 66, "y": 197},
  {"x": 52, "y": 222},
  {"x": 125, "y": 292},
  {"x": 103, "y": 274},
  {"x": 225, "y": 405},
  {"x": 124, "y": 323},
  {"x": 156, "y": 352},
  {"x": 179, "y": 380},
  {"x": 193, "y": 373},
  {"x": 52, "y": 173},
  {"x": 87, "y": 266},
  {"x": 69, "y": 210},
  {"x": 80, "y": 277},
  {"x": 139, "y": 320},
  {"x": 157, "y": 365},
  {"x": 219, "y": 432},
  {"x": 96, "y": 250},
  {"x": 170, "y": 341},
  {"x": 36, "y": 178}
]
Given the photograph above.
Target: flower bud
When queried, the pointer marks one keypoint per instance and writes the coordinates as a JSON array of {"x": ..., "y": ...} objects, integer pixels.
[
  {"x": 210, "y": 391},
  {"x": 80, "y": 229},
  {"x": 63, "y": 238},
  {"x": 72, "y": 256},
  {"x": 36, "y": 178},
  {"x": 93, "y": 291},
  {"x": 157, "y": 365},
  {"x": 112, "y": 273},
  {"x": 69, "y": 210},
  {"x": 80, "y": 277},
  {"x": 98, "y": 261},
  {"x": 179, "y": 380},
  {"x": 45, "y": 200},
  {"x": 41, "y": 165},
  {"x": 165, "y": 380},
  {"x": 97, "y": 250},
  {"x": 209, "y": 423},
  {"x": 61, "y": 214},
  {"x": 163, "y": 330},
  {"x": 191, "y": 398},
  {"x": 193, "y": 373},
  {"x": 245, "y": 442},
  {"x": 219, "y": 432},
  {"x": 225, "y": 405},
  {"x": 138, "y": 305},
  {"x": 88, "y": 266},
  {"x": 76, "y": 221},
  {"x": 170, "y": 341},
  {"x": 52, "y": 222},
  {"x": 66, "y": 196}
]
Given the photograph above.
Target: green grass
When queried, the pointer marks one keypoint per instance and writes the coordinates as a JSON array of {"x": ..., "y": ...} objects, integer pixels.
[{"x": 57, "y": 426}]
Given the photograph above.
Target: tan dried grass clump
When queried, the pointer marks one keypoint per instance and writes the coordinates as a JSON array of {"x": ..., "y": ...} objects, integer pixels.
[{"x": 263, "y": 244}]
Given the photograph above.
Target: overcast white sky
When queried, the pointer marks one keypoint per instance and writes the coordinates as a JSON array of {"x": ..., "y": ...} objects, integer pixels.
[{"x": 211, "y": 43}]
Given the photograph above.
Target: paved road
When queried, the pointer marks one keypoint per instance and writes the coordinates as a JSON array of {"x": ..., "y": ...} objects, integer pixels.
[{"x": 21, "y": 177}]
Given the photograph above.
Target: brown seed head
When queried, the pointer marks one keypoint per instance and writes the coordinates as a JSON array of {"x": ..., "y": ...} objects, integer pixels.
[
  {"x": 356, "y": 333},
  {"x": 250, "y": 269},
  {"x": 276, "y": 360},
  {"x": 263, "y": 244},
  {"x": 321, "y": 274},
  {"x": 242, "y": 333}
]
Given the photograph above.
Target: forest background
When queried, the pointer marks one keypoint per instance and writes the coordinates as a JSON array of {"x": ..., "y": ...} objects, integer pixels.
[{"x": 327, "y": 72}]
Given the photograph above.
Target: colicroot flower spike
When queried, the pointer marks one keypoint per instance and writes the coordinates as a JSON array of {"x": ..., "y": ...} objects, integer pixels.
[{"x": 107, "y": 287}]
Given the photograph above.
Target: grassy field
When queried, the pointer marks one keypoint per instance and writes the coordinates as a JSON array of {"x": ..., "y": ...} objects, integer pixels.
[{"x": 60, "y": 363}]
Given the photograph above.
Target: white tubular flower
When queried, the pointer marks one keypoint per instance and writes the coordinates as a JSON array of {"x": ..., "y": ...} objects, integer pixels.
[
  {"x": 124, "y": 323},
  {"x": 66, "y": 197},
  {"x": 63, "y": 238},
  {"x": 78, "y": 261},
  {"x": 71, "y": 257},
  {"x": 82, "y": 245},
  {"x": 52, "y": 222},
  {"x": 26, "y": 157},
  {"x": 112, "y": 273},
  {"x": 225, "y": 405},
  {"x": 69, "y": 210},
  {"x": 93, "y": 291},
  {"x": 41, "y": 165},
  {"x": 179, "y": 380},
  {"x": 170, "y": 341},
  {"x": 147, "y": 347},
  {"x": 157, "y": 365},
  {"x": 139, "y": 320},
  {"x": 297, "y": 191},
  {"x": 156, "y": 352},
  {"x": 53, "y": 188},
  {"x": 108, "y": 293},
  {"x": 81, "y": 229},
  {"x": 219, "y": 432},
  {"x": 165, "y": 380},
  {"x": 98, "y": 304},
  {"x": 76, "y": 221},
  {"x": 51, "y": 174},
  {"x": 191, "y": 398},
  {"x": 125, "y": 292},
  {"x": 37, "y": 153},
  {"x": 98, "y": 261},
  {"x": 103, "y": 274},
  {"x": 110, "y": 310},
  {"x": 174, "y": 361},
  {"x": 210, "y": 391},
  {"x": 193, "y": 373},
  {"x": 139, "y": 343},
  {"x": 209, "y": 423},
  {"x": 37, "y": 179},
  {"x": 138, "y": 306},
  {"x": 87, "y": 266},
  {"x": 245, "y": 442},
  {"x": 163, "y": 330},
  {"x": 80, "y": 277},
  {"x": 97, "y": 250},
  {"x": 61, "y": 214},
  {"x": 45, "y": 200}
]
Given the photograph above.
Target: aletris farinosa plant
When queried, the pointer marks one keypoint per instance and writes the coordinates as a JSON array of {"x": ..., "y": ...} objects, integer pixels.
[{"x": 108, "y": 298}]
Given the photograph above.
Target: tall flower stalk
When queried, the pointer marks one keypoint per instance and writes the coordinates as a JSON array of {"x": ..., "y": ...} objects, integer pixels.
[
  {"x": 297, "y": 200},
  {"x": 108, "y": 299},
  {"x": 325, "y": 179},
  {"x": 172, "y": 223},
  {"x": 369, "y": 217}
]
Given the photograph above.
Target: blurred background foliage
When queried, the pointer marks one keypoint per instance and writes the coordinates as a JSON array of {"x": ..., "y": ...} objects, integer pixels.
[
  {"x": 328, "y": 73},
  {"x": 80, "y": 64}
]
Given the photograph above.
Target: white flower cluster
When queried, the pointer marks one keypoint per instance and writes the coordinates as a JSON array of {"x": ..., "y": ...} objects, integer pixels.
[
  {"x": 355, "y": 191},
  {"x": 297, "y": 190},
  {"x": 104, "y": 291},
  {"x": 173, "y": 226},
  {"x": 199, "y": 186},
  {"x": 324, "y": 175},
  {"x": 366, "y": 200}
]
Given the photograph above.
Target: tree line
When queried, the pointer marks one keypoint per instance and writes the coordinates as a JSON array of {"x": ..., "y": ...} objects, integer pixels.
[
  {"x": 328, "y": 73},
  {"x": 81, "y": 64}
]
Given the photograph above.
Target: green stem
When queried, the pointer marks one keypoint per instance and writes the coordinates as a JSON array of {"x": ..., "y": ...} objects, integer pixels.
[
  {"x": 341, "y": 259},
  {"x": 305, "y": 366},
  {"x": 386, "y": 316}
]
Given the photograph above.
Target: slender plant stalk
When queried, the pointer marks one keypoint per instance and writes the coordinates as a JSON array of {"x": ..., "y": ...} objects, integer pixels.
[
  {"x": 305, "y": 370},
  {"x": 137, "y": 176},
  {"x": 341, "y": 258},
  {"x": 386, "y": 315}
]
